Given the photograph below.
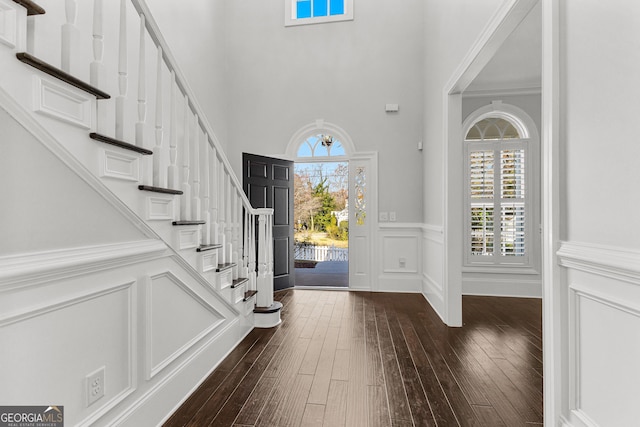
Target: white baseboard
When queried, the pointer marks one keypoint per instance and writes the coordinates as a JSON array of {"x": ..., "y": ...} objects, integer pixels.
[{"x": 517, "y": 288}]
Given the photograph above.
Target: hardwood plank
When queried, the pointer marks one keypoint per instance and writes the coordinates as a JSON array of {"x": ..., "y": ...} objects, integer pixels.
[
  {"x": 322, "y": 377},
  {"x": 256, "y": 401},
  {"x": 488, "y": 416},
  {"x": 311, "y": 358},
  {"x": 378, "y": 407},
  {"x": 341, "y": 365},
  {"x": 440, "y": 408},
  {"x": 418, "y": 403},
  {"x": 313, "y": 415},
  {"x": 398, "y": 403},
  {"x": 375, "y": 374},
  {"x": 357, "y": 385},
  {"x": 336, "y": 410}
]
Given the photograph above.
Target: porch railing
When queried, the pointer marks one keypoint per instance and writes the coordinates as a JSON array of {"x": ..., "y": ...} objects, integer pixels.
[{"x": 309, "y": 252}]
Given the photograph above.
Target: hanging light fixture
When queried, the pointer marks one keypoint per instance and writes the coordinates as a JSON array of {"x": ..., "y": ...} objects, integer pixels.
[{"x": 327, "y": 140}]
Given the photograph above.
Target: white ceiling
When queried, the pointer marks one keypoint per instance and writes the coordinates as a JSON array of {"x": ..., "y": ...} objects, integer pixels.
[{"x": 518, "y": 62}]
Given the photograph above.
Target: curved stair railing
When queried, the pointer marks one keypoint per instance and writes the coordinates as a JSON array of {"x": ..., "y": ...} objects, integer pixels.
[{"x": 143, "y": 104}]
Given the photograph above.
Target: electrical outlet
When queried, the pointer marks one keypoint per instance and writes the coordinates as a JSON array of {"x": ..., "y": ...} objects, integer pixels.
[
  {"x": 95, "y": 385},
  {"x": 402, "y": 262},
  {"x": 392, "y": 216}
]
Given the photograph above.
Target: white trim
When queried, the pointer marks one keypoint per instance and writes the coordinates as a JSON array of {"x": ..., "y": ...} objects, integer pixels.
[
  {"x": 606, "y": 261},
  {"x": 400, "y": 226},
  {"x": 511, "y": 287},
  {"x": 554, "y": 317},
  {"x": 35, "y": 268},
  {"x": 186, "y": 237},
  {"x": 290, "y": 19},
  {"x": 516, "y": 91}
]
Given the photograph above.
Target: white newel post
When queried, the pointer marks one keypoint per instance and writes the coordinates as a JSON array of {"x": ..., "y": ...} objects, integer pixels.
[
  {"x": 264, "y": 284},
  {"x": 213, "y": 194}
]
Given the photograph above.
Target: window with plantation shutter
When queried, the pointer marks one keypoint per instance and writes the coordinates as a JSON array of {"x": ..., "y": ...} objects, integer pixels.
[{"x": 498, "y": 199}]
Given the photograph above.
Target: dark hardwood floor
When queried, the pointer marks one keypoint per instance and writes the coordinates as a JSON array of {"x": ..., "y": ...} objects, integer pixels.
[{"x": 377, "y": 359}]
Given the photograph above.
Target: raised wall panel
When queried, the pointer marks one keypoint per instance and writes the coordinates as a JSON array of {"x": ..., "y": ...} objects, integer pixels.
[
  {"x": 160, "y": 208},
  {"x": 187, "y": 237},
  {"x": 607, "y": 351},
  {"x": 38, "y": 341},
  {"x": 114, "y": 164},
  {"x": 400, "y": 254},
  {"x": 8, "y": 24},
  {"x": 167, "y": 337},
  {"x": 209, "y": 261},
  {"x": 61, "y": 102}
]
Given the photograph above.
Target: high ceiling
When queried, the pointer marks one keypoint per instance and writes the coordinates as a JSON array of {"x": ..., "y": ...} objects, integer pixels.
[{"x": 518, "y": 62}]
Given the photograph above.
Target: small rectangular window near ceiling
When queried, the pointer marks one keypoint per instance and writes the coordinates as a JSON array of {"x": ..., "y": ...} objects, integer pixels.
[{"x": 304, "y": 12}]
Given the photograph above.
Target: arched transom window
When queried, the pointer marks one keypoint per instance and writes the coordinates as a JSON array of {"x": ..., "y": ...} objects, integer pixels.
[
  {"x": 497, "y": 196},
  {"x": 321, "y": 145}
]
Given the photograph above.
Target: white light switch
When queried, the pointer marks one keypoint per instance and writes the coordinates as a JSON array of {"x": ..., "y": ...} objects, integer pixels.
[
  {"x": 383, "y": 216},
  {"x": 392, "y": 216},
  {"x": 391, "y": 108}
]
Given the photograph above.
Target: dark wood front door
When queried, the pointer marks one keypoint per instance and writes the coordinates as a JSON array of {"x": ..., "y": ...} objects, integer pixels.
[{"x": 268, "y": 183}]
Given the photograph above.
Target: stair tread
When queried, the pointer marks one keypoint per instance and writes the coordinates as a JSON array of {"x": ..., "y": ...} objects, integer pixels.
[
  {"x": 118, "y": 143},
  {"x": 239, "y": 281},
  {"x": 189, "y": 222},
  {"x": 203, "y": 248},
  {"x": 248, "y": 295},
  {"x": 226, "y": 266},
  {"x": 61, "y": 75},
  {"x": 32, "y": 7},
  {"x": 158, "y": 189}
]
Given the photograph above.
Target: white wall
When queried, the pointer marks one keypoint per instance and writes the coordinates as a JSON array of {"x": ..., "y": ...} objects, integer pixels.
[
  {"x": 196, "y": 32},
  {"x": 600, "y": 251},
  {"x": 285, "y": 78},
  {"x": 36, "y": 186},
  {"x": 451, "y": 29}
]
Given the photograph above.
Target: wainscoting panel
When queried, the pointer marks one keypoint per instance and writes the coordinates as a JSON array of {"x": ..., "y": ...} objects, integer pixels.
[
  {"x": 604, "y": 334},
  {"x": 114, "y": 164},
  {"x": 168, "y": 337},
  {"x": 433, "y": 267},
  {"x": 48, "y": 350},
  {"x": 9, "y": 22},
  {"x": 399, "y": 257}
]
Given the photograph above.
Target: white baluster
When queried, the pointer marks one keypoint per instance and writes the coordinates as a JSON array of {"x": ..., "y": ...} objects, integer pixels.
[
  {"x": 185, "y": 203},
  {"x": 158, "y": 155},
  {"x": 206, "y": 190},
  {"x": 69, "y": 36},
  {"x": 122, "y": 72},
  {"x": 222, "y": 212},
  {"x": 172, "y": 179},
  {"x": 228, "y": 230},
  {"x": 252, "y": 252},
  {"x": 96, "y": 69},
  {"x": 142, "y": 85},
  {"x": 235, "y": 255},
  {"x": 196, "y": 208},
  {"x": 213, "y": 194}
]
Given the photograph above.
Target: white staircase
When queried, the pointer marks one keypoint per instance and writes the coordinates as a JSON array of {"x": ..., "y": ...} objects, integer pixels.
[{"x": 96, "y": 79}]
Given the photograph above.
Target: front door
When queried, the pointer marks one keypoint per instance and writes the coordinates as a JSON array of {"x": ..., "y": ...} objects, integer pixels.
[{"x": 268, "y": 183}]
